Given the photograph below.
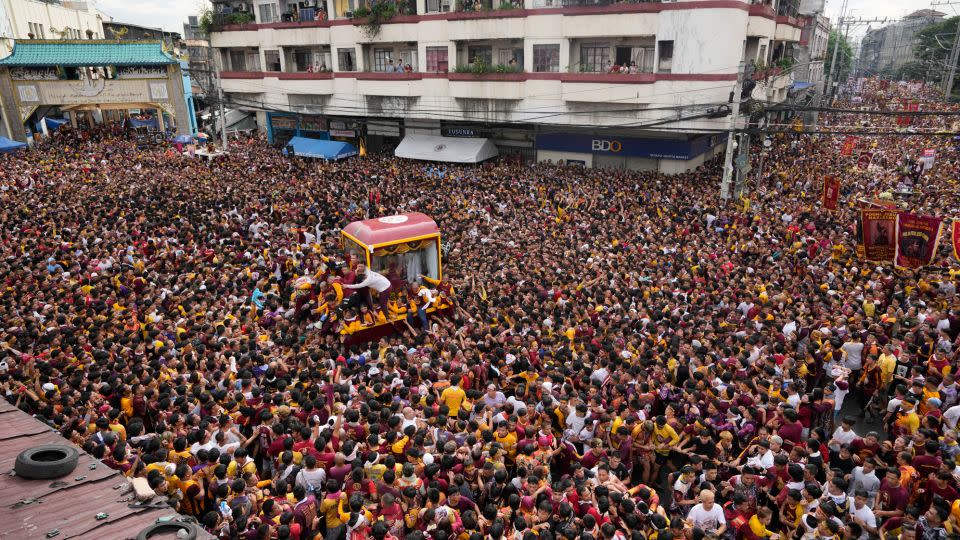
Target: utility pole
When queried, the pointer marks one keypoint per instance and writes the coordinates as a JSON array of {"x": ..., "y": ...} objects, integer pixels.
[
  {"x": 734, "y": 121},
  {"x": 954, "y": 54},
  {"x": 842, "y": 35},
  {"x": 828, "y": 91},
  {"x": 223, "y": 116},
  {"x": 214, "y": 77}
]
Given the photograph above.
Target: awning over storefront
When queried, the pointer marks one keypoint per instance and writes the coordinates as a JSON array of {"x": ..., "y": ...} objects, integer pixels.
[
  {"x": 7, "y": 146},
  {"x": 315, "y": 148},
  {"x": 54, "y": 123},
  {"x": 448, "y": 149}
]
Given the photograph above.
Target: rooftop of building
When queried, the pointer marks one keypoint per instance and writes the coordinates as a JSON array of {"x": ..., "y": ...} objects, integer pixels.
[
  {"x": 88, "y": 52},
  {"x": 36, "y": 508},
  {"x": 925, "y": 13}
]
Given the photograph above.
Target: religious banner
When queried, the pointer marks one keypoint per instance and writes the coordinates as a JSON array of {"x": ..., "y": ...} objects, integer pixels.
[
  {"x": 831, "y": 192},
  {"x": 864, "y": 161},
  {"x": 849, "y": 144},
  {"x": 956, "y": 238},
  {"x": 877, "y": 233},
  {"x": 917, "y": 240}
]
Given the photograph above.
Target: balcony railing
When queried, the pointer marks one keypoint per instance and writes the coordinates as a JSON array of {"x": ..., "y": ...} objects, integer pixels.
[
  {"x": 238, "y": 18},
  {"x": 589, "y": 3},
  {"x": 470, "y": 6}
]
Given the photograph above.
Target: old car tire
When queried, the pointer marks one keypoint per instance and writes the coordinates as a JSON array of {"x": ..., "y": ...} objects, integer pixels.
[
  {"x": 47, "y": 461},
  {"x": 169, "y": 527}
]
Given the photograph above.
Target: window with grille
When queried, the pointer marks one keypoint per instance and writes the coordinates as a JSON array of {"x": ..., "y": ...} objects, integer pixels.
[
  {"x": 268, "y": 13},
  {"x": 409, "y": 58},
  {"x": 506, "y": 55},
  {"x": 434, "y": 6},
  {"x": 381, "y": 59},
  {"x": 475, "y": 53},
  {"x": 546, "y": 58},
  {"x": 272, "y": 59},
  {"x": 237, "y": 61},
  {"x": 437, "y": 59},
  {"x": 346, "y": 58},
  {"x": 302, "y": 60},
  {"x": 594, "y": 58}
]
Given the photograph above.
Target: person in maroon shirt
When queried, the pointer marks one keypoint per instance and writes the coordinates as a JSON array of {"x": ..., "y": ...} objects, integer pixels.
[
  {"x": 792, "y": 429},
  {"x": 866, "y": 447},
  {"x": 892, "y": 498},
  {"x": 926, "y": 461},
  {"x": 938, "y": 485},
  {"x": 594, "y": 455}
]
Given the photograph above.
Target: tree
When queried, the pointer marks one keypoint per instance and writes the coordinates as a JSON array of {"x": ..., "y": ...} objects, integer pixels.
[
  {"x": 931, "y": 50},
  {"x": 844, "y": 56},
  {"x": 206, "y": 21}
]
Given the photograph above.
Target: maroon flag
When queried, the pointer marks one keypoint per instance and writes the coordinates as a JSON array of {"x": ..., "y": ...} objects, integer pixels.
[
  {"x": 849, "y": 144},
  {"x": 864, "y": 161},
  {"x": 956, "y": 239},
  {"x": 831, "y": 192},
  {"x": 877, "y": 233},
  {"x": 917, "y": 240}
]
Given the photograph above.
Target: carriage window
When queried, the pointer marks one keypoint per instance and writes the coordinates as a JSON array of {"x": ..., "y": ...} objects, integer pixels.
[
  {"x": 403, "y": 263},
  {"x": 354, "y": 250}
]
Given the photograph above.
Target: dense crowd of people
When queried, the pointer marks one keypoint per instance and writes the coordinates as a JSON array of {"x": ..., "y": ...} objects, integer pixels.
[{"x": 628, "y": 357}]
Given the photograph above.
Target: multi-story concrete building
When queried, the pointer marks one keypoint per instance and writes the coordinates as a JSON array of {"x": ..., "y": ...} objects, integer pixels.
[
  {"x": 191, "y": 28},
  {"x": 812, "y": 52},
  {"x": 885, "y": 50},
  {"x": 47, "y": 19},
  {"x": 619, "y": 84}
]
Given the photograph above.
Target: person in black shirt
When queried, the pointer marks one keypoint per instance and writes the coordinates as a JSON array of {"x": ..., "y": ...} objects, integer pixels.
[{"x": 843, "y": 460}]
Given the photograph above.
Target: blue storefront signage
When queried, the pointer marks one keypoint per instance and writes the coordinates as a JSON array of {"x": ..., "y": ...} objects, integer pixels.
[{"x": 625, "y": 146}]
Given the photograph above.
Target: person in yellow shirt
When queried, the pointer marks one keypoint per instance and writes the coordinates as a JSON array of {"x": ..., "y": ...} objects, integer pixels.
[
  {"x": 330, "y": 507},
  {"x": 664, "y": 437},
  {"x": 453, "y": 396},
  {"x": 758, "y": 525},
  {"x": 888, "y": 363},
  {"x": 506, "y": 438},
  {"x": 908, "y": 422},
  {"x": 241, "y": 464}
]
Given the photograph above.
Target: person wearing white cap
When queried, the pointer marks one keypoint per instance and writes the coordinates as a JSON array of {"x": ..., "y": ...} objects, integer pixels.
[{"x": 493, "y": 398}]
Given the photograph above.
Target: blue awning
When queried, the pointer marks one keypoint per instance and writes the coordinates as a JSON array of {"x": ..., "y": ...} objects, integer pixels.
[
  {"x": 54, "y": 123},
  {"x": 7, "y": 145},
  {"x": 801, "y": 85},
  {"x": 315, "y": 148}
]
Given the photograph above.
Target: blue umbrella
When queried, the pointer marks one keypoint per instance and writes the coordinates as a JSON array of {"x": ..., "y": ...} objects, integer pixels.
[{"x": 182, "y": 139}]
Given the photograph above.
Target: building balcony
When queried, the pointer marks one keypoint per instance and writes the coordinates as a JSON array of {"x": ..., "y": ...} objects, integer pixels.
[
  {"x": 404, "y": 12},
  {"x": 788, "y": 29},
  {"x": 376, "y": 83},
  {"x": 277, "y": 82},
  {"x": 772, "y": 84},
  {"x": 487, "y": 85},
  {"x": 305, "y": 76}
]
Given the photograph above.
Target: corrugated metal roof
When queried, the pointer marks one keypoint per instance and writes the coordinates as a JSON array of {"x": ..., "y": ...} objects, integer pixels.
[
  {"x": 73, "y": 53},
  {"x": 72, "y": 508}
]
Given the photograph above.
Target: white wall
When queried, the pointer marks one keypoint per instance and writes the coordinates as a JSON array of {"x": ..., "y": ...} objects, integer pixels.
[{"x": 22, "y": 12}]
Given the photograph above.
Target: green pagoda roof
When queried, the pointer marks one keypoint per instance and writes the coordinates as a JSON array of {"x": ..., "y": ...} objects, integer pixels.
[{"x": 77, "y": 53}]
